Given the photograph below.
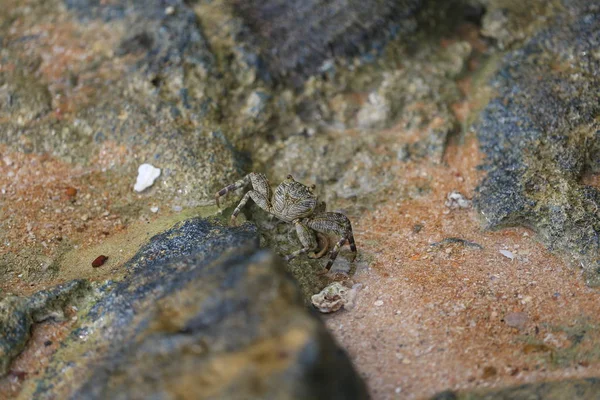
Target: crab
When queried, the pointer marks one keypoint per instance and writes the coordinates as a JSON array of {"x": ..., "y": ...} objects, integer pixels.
[{"x": 296, "y": 204}]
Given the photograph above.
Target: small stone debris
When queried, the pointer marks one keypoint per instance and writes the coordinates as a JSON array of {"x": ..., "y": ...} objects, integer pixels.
[
  {"x": 335, "y": 296},
  {"x": 507, "y": 254},
  {"x": 516, "y": 319},
  {"x": 71, "y": 191},
  {"x": 489, "y": 372},
  {"x": 99, "y": 261},
  {"x": 455, "y": 240},
  {"x": 154, "y": 209},
  {"x": 456, "y": 200},
  {"x": 147, "y": 174},
  {"x": 378, "y": 303}
]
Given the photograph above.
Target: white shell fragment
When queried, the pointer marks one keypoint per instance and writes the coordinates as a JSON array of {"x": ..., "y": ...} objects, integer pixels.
[
  {"x": 335, "y": 296},
  {"x": 456, "y": 199},
  {"x": 507, "y": 254},
  {"x": 147, "y": 174}
]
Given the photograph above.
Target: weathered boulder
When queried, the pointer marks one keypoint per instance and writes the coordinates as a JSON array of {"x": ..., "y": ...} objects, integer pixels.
[
  {"x": 201, "y": 313},
  {"x": 541, "y": 133},
  {"x": 296, "y": 38}
]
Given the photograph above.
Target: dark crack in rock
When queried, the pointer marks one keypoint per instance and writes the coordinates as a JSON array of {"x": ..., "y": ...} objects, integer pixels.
[
  {"x": 201, "y": 313},
  {"x": 540, "y": 135}
]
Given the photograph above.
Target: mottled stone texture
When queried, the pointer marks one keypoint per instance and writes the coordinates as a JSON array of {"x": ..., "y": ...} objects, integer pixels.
[
  {"x": 166, "y": 36},
  {"x": 541, "y": 133},
  {"x": 576, "y": 389},
  {"x": 18, "y": 314},
  {"x": 296, "y": 37},
  {"x": 203, "y": 314}
]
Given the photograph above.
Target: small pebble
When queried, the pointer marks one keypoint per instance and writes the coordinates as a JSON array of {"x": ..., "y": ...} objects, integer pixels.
[
  {"x": 456, "y": 199},
  {"x": 71, "y": 191},
  {"x": 154, "y": 209},
  {"x": 378, "y": 303},
  {"x": 516, "y": 319},
  {"x": 147, "y": 174},
  {"x": 99, "y": 261},
  {"x": 507, "y": 254},
  {"x": 489, "y": 372}
]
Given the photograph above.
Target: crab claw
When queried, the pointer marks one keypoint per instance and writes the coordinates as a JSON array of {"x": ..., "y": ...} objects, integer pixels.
[
  {"x": 233, "y": 221},
  {"x": 217, "y": 200}
]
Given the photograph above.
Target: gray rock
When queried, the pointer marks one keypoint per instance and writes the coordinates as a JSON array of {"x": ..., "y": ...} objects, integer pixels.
[
  {"x": 296, "y": 38},
  {"x": 18, "y": 314},
  {"x": 162, "y": 100},
  {"x": 201, "y": 313},
  {"x": 575, "y": 389},
  {"x": 541, "y": 135}
]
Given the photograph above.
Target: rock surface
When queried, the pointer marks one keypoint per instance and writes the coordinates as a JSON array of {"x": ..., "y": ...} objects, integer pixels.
[
  {"x": 540, "y": 135},
  {"x": 18, "y": 314},
  {"x": 296, "y": 38},
  {"x": 201, "y": 313},
  {"x": 91, "y": 89},
  {"x": 576, "y": 389},
  {"x": 137, "y": 82}
]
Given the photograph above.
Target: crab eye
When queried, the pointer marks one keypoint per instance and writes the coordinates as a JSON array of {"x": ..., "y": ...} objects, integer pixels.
[{"x": 290, "y": 177}]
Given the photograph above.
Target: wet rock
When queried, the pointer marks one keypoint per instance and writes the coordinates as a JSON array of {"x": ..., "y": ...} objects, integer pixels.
[
  {"x": 540, "y": 136},
  {"x": 201, "y": 312},
  {"x": 18, "y": 314},
  {"x": 576, "y": 389}
]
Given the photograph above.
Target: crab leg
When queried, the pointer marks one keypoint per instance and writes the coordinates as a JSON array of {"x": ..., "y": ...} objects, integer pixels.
[
  {"x": 334, "y": 253},
  {"x": 334, "y": 223},
  {"x": 308, "y": 240},
  {"x": 230, "y": 188},
  {"x": 258, "y": 198}
]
